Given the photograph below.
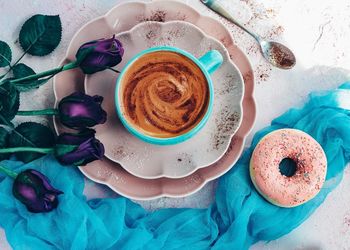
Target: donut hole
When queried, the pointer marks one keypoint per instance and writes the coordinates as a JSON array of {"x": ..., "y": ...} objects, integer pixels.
[{"x": 288, "y": 167}]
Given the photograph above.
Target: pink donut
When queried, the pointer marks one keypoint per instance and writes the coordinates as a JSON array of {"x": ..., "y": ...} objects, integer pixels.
[{"x": 311, "y": 167}]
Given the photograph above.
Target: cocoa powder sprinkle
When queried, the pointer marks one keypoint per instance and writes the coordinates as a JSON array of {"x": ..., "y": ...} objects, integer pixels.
[{"x": 156, "y": 16}]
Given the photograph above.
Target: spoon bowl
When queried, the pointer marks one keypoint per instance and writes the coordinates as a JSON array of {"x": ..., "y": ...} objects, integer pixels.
[{"x": 277, "y": 54}]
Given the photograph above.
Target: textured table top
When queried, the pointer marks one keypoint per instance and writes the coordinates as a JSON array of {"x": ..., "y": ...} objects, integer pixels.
[{"x": 318, "y": 33}]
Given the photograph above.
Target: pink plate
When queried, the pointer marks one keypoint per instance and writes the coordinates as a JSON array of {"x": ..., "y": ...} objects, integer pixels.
[{"x": 121, "y": 18}]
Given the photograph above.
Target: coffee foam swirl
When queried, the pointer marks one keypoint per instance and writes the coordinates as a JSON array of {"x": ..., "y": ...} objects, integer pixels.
[{"x": 165, "y": 94}]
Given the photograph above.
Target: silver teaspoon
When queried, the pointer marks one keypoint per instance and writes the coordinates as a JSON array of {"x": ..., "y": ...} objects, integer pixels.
[{"x": 275, "y": 53}]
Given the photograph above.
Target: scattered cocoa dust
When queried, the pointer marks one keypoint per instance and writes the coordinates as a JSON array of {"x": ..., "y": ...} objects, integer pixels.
[
  {"x": 347, "y": 220},
  {"x": 229, "y": 84},
  {"x": 259, "y": 14},
  {"x": 150, "y": 35},
  {"x": 175, "y": 33},
  {"x": 185, "y": 159},
  {"x": 264, "y": 14},
  {"x": 258, "y": 11},
  {"x": 247, "y": 77},
  {"x": 157, "y": 16},
  {"x": 253, "y": 49},
  {"x": 225, "y": 41},
  {"x": 180, "y": 16},
  {"x": 230, "y": 147},
  {"x": 275, "y": 32},
  {"x": 263, "y": 72},
  {"x": 225, "y": 126},
  {"x": 120, "y": 152}
]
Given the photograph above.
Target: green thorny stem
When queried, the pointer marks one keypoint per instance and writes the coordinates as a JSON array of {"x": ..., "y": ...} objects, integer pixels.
[
  {"x": 8, "y": 172},
  {"x": 26, "y": 149},
  {"x": 50, "y": 72},
  {"x": 38, "y": 112}
]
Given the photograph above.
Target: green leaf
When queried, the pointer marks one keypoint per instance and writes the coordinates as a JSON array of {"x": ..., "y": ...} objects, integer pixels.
[
  {"x": 3, "y": 142},
  {"x": 5, "y": 54},
  {"x": 21, "y": 70},
  {"x": 9, "y": 102},
  {"x": 40, "y": 34},
  {"x": 31, "y": 134}
]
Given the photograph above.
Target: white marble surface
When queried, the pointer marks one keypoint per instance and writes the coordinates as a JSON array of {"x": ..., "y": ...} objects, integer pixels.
[{"x": 318, "y": 32}]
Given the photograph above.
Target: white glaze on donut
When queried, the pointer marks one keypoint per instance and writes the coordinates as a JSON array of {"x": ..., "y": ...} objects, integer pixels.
[{"x": 310, "y": 174}]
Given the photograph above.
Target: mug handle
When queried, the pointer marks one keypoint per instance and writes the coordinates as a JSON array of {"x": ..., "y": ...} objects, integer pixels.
[{"x": 211, "y": 60}]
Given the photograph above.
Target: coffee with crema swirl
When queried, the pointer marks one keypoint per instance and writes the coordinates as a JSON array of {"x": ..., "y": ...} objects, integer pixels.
[{"x": 165, "y": 94}]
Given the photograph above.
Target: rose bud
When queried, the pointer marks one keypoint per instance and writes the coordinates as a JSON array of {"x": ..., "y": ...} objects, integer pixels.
[
  {"x": 99, "y": 55},
  {"x": 78, "y": 149},
  {"x": 33, "y": 189},
  {"x": 80, "y": 111}
]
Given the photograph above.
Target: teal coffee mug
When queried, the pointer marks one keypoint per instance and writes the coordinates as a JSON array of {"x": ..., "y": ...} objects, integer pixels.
[{"x": 207, "y": 64}]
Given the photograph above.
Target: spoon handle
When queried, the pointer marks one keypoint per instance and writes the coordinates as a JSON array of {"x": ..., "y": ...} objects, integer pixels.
[{"x": 215, "y": 6}]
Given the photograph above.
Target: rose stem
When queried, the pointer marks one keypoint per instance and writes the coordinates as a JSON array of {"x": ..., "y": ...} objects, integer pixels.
[
  {"x": 8, "y": 172},
  {"x": 26, "y": 149},
  {"x": 38, "y": 112},
  {"x": 50, "y": 72}
]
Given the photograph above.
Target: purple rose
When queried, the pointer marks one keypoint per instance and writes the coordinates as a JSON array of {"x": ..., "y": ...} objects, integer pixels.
[
  {"x": 80, "y": 111},
  {"x": 100, "y": 54},
  {"x": 33, "y": 189},
  {"x": 78, "y": 149}
]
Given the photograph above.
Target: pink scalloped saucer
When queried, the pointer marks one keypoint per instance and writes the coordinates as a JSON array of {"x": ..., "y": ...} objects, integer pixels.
[{"x": 122, "y": 18}]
